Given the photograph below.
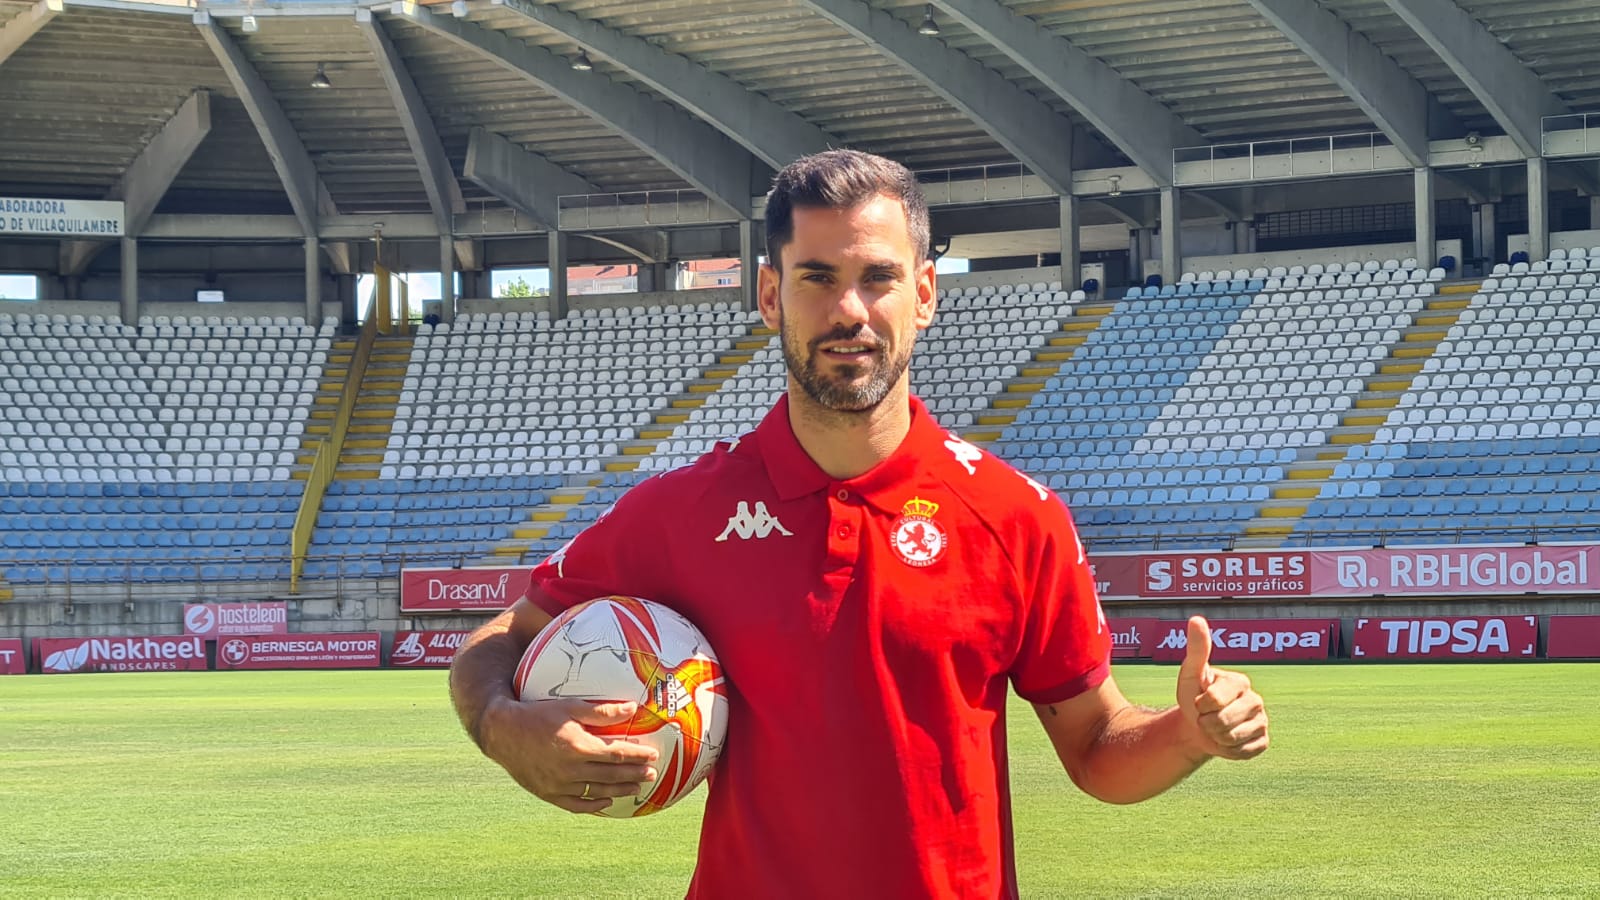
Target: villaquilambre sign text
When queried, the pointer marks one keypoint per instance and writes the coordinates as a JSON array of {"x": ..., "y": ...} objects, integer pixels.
[{"x": 61, "y": 218}]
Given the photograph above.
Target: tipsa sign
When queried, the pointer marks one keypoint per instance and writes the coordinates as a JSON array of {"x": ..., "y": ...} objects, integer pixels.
[
  {"x": 1446, "y": 637},
  {"x": 462, "y": 590}
]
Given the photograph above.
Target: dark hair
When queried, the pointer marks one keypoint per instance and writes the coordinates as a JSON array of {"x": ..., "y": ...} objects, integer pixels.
[{"x": 840, "y": 179}]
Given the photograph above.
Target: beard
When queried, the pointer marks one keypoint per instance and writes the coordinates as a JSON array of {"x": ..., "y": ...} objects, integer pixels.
[{"x": 843, "y": 391}]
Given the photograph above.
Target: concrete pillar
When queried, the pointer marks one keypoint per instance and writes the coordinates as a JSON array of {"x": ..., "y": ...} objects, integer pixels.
[
  {"x": 130, "y": 281},
  {"x": 1241, "y": 236},
  {"x": 72, "y": 288},
  {"x": 447, "y": 279},
  {"x": 748, "y": 264},
  {"x": 1136, "y": 257},
  {"x": 1422, "y": 197},
  {"x": 314, "y": 282},
  {"x": 557, "y": 253},
  {"x": 1071, "y": 257},
  {"x": 1538, "y": 209},
  {"x": 1485, "y": 234},
  {"x": 654, "y": 276},
  {"x": 1594, "y": 211},
  {"x": 347, "y": 297},
  {"x": 1171, "y": 236}
]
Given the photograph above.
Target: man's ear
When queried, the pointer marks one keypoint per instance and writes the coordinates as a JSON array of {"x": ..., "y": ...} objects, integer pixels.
[
  {"x": 927, "y": 294},
  {"x": 767, "y": 280}
]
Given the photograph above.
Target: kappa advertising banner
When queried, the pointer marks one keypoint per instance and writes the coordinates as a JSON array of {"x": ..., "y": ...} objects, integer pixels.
[
  {"x": 426, "y": 649},
  {"x": 1350, "y": 573},
  {"x": 462, "y": 590},
  {"x": 1573, "y": 637},
  {"x": 120, "y": 654},
  {"x": 12, "y": 662},
  {"x": 61, "y": 218},
  {"x": 1132, "y": 637},
  {"x": 214, "y": 620},
  {"x": 1446, "y": 637},
  {"x": 356, "y": 650},
  {"x": 1252, "y": 640}
]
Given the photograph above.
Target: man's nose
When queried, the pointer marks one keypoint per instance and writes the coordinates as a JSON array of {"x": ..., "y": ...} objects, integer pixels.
[{"x": 851, "y": 308}]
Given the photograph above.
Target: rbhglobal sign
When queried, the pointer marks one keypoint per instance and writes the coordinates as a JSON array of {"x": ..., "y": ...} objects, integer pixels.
[
  {"x": 44, "y": 217},
  {"x": 1421, "y": 571}
]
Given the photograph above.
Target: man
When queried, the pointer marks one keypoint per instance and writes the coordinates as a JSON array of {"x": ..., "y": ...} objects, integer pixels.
[{"x": 871, "y": 585}]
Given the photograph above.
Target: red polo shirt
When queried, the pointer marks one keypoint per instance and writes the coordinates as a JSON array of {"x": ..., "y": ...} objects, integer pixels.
[{"x": 868, "y": 628}]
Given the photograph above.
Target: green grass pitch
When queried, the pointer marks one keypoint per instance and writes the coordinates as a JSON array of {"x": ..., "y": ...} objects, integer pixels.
[{"x": 1421, "y": 780}]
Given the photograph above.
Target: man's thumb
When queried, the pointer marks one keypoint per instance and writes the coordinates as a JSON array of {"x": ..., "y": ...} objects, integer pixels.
[{"x": 1198, "y": 654}]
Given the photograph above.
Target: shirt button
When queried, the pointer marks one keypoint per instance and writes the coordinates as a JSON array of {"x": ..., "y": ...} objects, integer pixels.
[
  {"x": 843, "y": 495},
  {"x": 842, "y": 531}
]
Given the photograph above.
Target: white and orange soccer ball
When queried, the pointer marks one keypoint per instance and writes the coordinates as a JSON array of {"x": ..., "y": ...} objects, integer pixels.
[{"x": 619, "y": 649}]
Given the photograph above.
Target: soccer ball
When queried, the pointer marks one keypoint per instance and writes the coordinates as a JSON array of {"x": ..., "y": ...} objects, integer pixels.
[{"x": 619, "y": 649}]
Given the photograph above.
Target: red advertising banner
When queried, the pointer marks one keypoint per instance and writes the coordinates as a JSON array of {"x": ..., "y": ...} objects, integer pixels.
[
  {"x": 1350, "y": 573},
  {"x": 425, "y": 649},
  {"x": 1573, "y": 637},
  {"x": 214, "y": 620},
  {"x": 12, "y": 662},
  {"x": 1446, "y": 637},
  {"x": 1456, "y": 570},
  {"x": 1252, "y": 640},
  {"x": 355, "y": 650},
  {"x": 1133, "y": 637},
  {"x": 462, "y": 590},
  {"x": 120, "y": 654}
]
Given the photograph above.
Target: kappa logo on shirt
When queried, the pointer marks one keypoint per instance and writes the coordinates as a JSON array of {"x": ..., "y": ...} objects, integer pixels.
[
  {"x": 759, "y": 524},
  {"x": 965, "y": 453}
]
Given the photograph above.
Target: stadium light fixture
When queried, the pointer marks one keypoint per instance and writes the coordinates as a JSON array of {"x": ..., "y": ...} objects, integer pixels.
[
  {"x": 320, "y": 80},
  {"x": 581, "y": 62},
  {"x": 928, "y": 28},
  {"x": 1116, "y": 186},
  {"x": 459, "y": 9},
  {"x": 248, "y": 24}
]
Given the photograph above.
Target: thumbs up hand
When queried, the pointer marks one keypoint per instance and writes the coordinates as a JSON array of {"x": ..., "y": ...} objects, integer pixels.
[{"x": 1226, "y": 717}]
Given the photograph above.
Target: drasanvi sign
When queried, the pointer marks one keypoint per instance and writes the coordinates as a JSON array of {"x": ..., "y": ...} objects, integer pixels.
[
  {"x": 47, "y": 217},
  {"x": 462, "y": 590}
]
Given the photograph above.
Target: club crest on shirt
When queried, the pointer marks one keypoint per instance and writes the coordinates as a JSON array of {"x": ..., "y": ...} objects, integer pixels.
[{"x": 918, "y": 540}]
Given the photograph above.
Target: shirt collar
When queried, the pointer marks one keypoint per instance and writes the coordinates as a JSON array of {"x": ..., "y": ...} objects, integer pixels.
[{"x": 887, "y": 486}]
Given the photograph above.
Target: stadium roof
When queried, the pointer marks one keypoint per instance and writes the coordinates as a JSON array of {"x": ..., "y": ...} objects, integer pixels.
[{"x": 474, "y": 107}]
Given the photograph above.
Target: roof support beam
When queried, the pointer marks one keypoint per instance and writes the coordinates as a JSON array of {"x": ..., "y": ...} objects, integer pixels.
[
  {"x": 433, "y": 164},
  {"x": 1509, "y": 90},
  {"x": 766, "y": 129},
  {"x": 16, "y": 32},
  {"x": 1033, "y": 132},
  {"x": 706, "y": 159},
  {"x": 1397, "y": 103},
  {"x": 1141, "y": 128},
  {"x": 525, "y": 181},
  {"x": 147, "y": 179},
  {"x": 307, "y": 194}
]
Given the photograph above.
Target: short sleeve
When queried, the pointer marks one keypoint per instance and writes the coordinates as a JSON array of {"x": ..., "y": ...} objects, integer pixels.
[
  {"x": 1066, "y": 644},
  {"x": 611, "y": 556}
]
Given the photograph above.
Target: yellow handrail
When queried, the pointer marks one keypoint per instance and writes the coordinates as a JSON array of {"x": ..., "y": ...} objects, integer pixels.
[{"x": 327, "y": 460}]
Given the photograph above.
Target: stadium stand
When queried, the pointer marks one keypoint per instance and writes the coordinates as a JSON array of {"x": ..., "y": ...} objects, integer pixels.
[
  {"x": 1181, "y": 410},
  {"x": 1497, "y": 437},
  {"x": 505, "y": 412},
  {"x": 157, "y": 452}
]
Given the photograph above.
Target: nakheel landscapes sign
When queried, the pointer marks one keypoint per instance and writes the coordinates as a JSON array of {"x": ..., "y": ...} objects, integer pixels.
[
  {"x": 462, "y": 590},
  {"x": 1429, "y": 571},
  {"x": 60, "y": 218},
  {"x": 120, "y": 654}
]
